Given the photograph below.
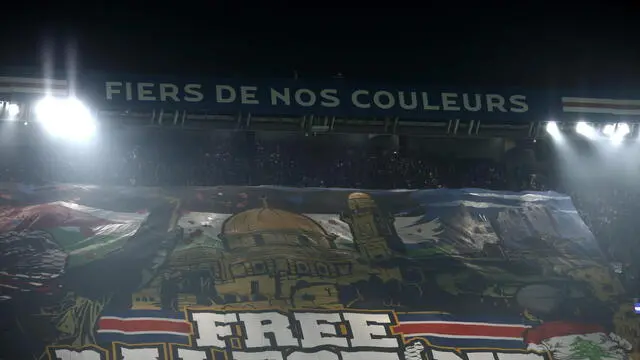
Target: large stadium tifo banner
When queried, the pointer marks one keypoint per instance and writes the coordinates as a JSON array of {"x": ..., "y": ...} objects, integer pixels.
[{"x": 268, "y": 273}]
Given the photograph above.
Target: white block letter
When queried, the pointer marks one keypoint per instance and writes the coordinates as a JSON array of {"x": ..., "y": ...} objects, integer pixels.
[
  {"x": 371, "y": 330},
  {"x": 212, "y": 328},
  {"x": 315, "y": 333},
  {"x": 257, "y": 325}
]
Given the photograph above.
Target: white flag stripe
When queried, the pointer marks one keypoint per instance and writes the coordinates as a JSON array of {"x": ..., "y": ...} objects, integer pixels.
[
  {"x": 576, "y": 100},
  {"x": 34, "y": 81},
  {"x": 104, "y": 214},
  {"x": 28, "y": 90},
  {"x": 591, "y": 110}
]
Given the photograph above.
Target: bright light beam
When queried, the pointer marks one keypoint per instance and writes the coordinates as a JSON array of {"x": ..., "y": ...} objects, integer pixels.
[
  {"x": 67, "y": 118},
  {"x": 12, "y": 111},
  {"x": 586, "y": 130},
  {"x": 609, "y": 129},
  {"x": 622, "y": 130},
  {"x": 553, "y": 129}
]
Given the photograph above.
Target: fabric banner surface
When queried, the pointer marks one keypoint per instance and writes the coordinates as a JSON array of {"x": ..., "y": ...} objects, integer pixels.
[{"x": 287, "y": 273}]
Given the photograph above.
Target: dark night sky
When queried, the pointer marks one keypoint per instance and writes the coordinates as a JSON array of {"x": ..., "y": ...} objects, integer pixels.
[{"x": 558, "y": 44}]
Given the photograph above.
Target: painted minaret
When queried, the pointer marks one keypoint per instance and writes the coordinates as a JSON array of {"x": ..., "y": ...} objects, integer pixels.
[{"x": 363, "y": 217}]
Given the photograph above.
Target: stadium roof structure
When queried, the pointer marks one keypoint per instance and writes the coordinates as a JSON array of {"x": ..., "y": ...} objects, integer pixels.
[{"x": 334, "y": 105}]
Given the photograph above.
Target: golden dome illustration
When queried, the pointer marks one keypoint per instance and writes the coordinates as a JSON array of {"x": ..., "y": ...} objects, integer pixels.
[
  {"x": 266, "y": 219},
  {"x": 359, "y": 200},
  {"x": 359, "y": 196}
]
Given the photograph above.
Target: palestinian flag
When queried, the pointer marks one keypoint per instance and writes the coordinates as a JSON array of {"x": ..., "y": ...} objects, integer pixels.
[{"x": 86, "y": 234}]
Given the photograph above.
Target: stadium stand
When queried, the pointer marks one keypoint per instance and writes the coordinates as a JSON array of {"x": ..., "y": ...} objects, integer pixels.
[
  {"x": 186, "y": 160},
  {"x": 162, "y": 156}
]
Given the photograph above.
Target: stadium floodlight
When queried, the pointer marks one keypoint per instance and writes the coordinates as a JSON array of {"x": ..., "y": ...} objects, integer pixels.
[
  {"x": 12, "y": 111},
  {"x": 66, "y": 118},
  {"x": 622, "y": 130},
  {"x": 586, "y": 130},
  {"x": 553, "y": 129},
  {"x": 609, "y": 129}
]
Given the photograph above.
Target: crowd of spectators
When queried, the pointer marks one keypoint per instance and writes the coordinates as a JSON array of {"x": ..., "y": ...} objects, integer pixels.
[
  {"x": 608, "y": 210},
  {"x": 226, "y": 162}
]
